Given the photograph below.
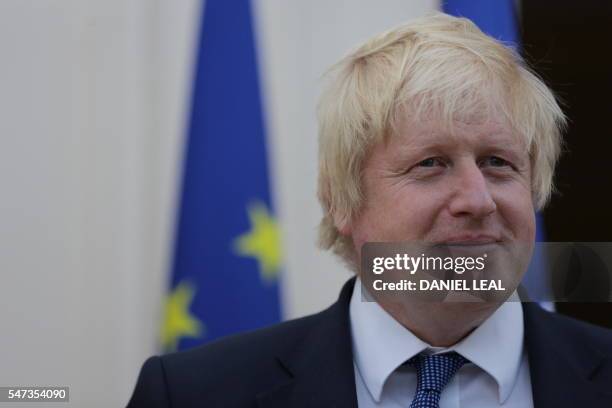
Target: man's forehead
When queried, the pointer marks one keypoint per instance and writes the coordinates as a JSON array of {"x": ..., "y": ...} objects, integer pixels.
[{"x": 418, "y": 134}]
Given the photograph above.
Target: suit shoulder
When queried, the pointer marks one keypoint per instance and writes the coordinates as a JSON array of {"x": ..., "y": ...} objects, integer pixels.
[
  {"x": 587, "y": 333},
  {"x": 235, "y": 367},
  {"x": 250, "y": 352}
]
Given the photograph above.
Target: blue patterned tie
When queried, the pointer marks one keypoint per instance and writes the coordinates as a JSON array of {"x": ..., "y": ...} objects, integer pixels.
[{"x": 433, "y": 373}]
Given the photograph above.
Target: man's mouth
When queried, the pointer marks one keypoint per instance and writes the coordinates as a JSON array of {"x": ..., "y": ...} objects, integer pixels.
[{"x": 471, "y": 240}]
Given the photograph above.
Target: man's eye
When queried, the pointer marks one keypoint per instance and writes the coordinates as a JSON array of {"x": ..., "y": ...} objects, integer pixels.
[
  {"x": 495, "y": 161},
  {"x": 430, "y": 162}
]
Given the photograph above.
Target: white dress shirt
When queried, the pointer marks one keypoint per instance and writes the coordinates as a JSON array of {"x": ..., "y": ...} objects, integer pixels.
[{"x": 497, "y": 375}]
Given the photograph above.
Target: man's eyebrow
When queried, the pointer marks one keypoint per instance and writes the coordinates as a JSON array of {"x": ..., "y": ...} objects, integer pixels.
[
  {"x": 431, "y": 140},
  {"x": 496, "y": 142}
]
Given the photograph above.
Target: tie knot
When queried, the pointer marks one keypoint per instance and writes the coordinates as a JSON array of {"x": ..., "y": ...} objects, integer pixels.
[{"x": 436, "y": 370}]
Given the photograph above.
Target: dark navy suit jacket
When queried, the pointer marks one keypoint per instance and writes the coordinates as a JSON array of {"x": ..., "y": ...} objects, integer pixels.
[{"x": 308, "y": 362}]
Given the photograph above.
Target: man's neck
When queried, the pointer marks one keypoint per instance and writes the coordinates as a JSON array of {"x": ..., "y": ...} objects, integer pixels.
[{"x": 440, "y": 324}]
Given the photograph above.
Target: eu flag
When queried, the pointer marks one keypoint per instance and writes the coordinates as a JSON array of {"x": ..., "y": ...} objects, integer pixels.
[{"x": 227, "y": 255}]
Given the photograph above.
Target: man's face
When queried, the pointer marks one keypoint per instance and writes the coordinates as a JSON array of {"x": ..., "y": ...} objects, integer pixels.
[{"x": 470, "y": 188}]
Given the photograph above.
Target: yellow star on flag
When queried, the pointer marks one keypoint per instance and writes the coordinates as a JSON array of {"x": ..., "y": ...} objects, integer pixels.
[
  {"x": 178, "y": 321},
  {"x": 262, "y": 242}
]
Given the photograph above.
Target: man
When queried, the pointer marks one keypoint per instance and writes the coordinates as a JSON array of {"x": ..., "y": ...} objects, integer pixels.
[{"x": 437, "y": 134}]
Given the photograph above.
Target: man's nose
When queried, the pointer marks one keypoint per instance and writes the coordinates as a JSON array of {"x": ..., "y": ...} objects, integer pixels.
[{"x": 472, "y": 196}]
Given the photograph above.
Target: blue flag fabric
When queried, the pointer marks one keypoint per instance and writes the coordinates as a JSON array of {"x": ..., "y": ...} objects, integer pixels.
[
  {"x": 498, "y": 19},
  {"x": 227, "y": 255}
]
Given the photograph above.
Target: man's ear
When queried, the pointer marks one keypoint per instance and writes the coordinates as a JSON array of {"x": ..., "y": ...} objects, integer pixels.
[{"x": 343, "y": 224}]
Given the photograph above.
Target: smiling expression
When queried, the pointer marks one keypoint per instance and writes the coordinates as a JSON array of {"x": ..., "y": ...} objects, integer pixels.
[{"x": 426, "y": 184}]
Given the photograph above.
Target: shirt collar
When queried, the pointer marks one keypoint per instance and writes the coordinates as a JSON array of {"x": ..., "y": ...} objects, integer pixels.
[{"x": 381, "y": 344}]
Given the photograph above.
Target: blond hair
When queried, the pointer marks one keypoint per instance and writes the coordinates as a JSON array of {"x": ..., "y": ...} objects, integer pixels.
[{"x": 437, "y": 65}]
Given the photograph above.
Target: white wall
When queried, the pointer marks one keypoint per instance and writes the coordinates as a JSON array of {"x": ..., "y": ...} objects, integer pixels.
[
  {"x": 93, "y": 97},
  {"x": 92, "y": 109}
]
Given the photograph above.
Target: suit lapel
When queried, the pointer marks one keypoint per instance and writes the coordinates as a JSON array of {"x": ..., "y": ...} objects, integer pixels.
[
  {"x": 564, "y": 369},
  {"x": 321, "y": 366}
]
